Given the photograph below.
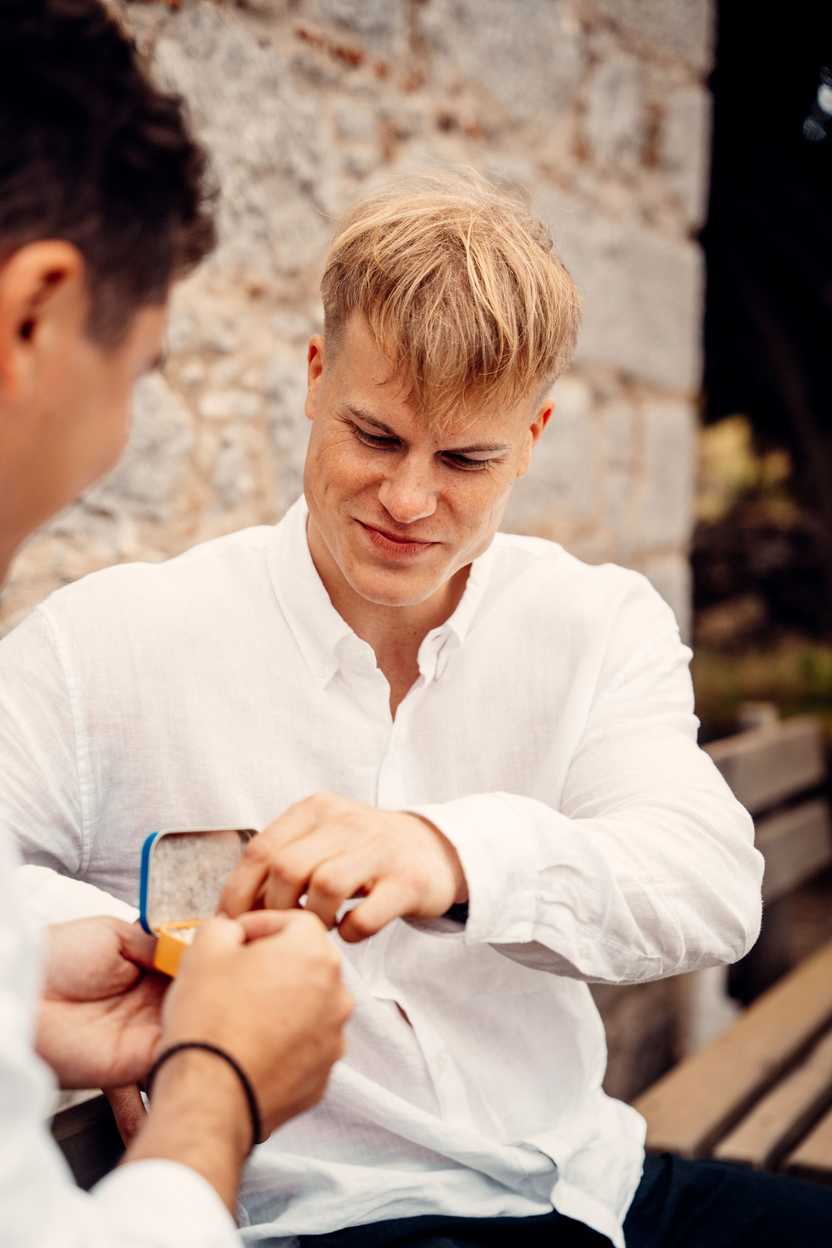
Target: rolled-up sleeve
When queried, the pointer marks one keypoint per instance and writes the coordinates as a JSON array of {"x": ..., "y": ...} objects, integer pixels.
[{"x": 646, "y": 865}]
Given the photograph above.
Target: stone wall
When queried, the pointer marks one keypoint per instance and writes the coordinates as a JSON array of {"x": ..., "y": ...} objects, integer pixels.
[{"x": 596, "y": 106}]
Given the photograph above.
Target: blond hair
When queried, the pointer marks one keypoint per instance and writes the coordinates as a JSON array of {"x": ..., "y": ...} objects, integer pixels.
[{"x": 461, "y": 288}]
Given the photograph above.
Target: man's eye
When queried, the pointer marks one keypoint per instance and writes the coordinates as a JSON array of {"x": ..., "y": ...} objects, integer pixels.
[
  {"x": 374, "y": 439},
  {"x": 466, "y": 464}
]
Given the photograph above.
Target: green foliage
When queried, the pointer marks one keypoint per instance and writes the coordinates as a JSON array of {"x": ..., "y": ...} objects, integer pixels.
[{"x": 795, "y": 675}]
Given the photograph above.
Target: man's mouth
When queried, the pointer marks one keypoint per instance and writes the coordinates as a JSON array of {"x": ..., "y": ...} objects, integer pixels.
[{"x": 395, "y": 542}]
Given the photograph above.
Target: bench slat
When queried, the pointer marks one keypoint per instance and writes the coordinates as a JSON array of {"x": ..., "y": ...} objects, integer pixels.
[
  {"x": 813, "y": 1159},
  {"x": 781, "y": 1118},
  {"x": 690, "y": 1108},
  {"x": 769, "y": 764},
  {"x": 796, "y": 845}
]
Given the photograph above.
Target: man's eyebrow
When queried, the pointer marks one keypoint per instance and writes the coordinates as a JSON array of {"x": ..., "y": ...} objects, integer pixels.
[
  {"x": 360, "y": 414},
  {"x": 477, "y": 447}
]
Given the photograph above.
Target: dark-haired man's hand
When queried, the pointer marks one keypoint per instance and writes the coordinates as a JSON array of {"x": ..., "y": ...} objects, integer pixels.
[
  {"x": 98, "y": 1024},
  {"x": 267, "y": 989}
]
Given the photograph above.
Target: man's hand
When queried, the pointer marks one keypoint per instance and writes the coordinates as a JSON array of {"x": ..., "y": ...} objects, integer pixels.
[
  {"x": 99, "y": 1019},
  {"x": 332, "y": 849},
  {"x": 266, "y": 988}
]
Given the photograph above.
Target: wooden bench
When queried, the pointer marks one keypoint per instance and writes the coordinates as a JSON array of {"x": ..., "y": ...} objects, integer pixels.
[{"x": 761, "y": 1093}]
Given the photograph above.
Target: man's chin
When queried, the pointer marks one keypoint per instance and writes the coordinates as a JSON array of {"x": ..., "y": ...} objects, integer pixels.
[{"x": 382, "y": 593}]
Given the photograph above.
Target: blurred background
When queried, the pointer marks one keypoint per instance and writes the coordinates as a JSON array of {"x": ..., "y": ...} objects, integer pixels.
[
  {"x": 679, "y": 151},
  {"x": 598, "y": 109}
]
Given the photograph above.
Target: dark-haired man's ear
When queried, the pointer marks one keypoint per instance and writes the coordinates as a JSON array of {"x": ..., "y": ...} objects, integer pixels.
[
  {"x": 532, "y": 435},
  {"x": 314, "y": 372},
  {"x": 42, "y": 289}
]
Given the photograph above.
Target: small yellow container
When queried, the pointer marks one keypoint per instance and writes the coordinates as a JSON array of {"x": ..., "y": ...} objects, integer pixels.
[
  {"x": 182, "y": 877},
  {"x": 173, "y": 940}
]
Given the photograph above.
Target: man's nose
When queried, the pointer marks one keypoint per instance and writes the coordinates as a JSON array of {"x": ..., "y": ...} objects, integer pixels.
[{"x": 408, "y": 492}]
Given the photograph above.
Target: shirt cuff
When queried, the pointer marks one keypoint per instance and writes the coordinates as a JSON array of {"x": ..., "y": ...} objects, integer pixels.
[
  {"x": 166, "y": 1203},
  {"x": 487, "y": 832}
]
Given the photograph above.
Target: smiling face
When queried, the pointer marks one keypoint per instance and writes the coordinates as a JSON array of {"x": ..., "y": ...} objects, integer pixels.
[{"x": 397, "y": 512}]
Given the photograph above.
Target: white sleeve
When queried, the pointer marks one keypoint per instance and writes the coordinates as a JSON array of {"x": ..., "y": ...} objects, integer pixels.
[
  {"x": 147, "y": 1204},
  {"x": 41, "y": 801},
  {"x": 646, "y": 866},
  {"x": 41, "y": 795},
  {"x": 48, "y": 897}
]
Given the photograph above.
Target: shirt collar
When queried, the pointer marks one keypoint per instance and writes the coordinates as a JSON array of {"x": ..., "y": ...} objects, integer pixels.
[{"x": 323, "y": 636}]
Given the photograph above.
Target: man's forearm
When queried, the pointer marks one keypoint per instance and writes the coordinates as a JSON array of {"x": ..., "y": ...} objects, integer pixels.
[{"x": 199, "y": 1118}]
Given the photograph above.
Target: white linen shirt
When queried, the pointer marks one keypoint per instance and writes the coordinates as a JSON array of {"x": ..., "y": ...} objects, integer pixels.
[
  {"x": 148, "y": 1204},
  {"x": 550, "y": 736}
]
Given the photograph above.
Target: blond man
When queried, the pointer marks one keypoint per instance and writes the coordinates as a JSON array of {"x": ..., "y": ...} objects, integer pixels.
[{"x": 474, "y": 758}]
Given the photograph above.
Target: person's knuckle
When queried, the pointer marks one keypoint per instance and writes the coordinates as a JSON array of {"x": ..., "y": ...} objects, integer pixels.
[
  {"x": 259, "y": 848},
  {"x": 346, "y": 1006},
  {"x": 361, "y": 924},
  {"x": 286, "y": 870},
  {"x": 328, "y": 881},
  {"x": 310, "y": 926},
  {"x": 332, "y": 972}
]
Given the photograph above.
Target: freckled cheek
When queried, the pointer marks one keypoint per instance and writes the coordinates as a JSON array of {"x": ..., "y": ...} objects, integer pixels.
[
  {"x": 480, "y": 501},
  {"x": 340, "y": 473}
]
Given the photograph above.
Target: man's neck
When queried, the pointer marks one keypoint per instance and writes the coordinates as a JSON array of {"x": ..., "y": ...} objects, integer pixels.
[{"x": 394, "y": 633}]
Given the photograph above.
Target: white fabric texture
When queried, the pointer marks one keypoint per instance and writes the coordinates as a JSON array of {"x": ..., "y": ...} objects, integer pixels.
[
  {"x": 148, "y": 1204},
  {"x": 550, "y": 736}
]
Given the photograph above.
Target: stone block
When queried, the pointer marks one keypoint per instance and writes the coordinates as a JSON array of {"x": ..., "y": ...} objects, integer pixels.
[
  {"x": 670, "y": 574},
  {"x": 641, "y": 1022},
  {"x": 642, "y": 292},
  {"x": 232, "y": 477},
  {"x": 356, "y": 121},
  {"x": 559, "y": 491},
  {"x": 619, "y": 429},
  {"x": 237, "y": 407},
  {"x": 285, "y": 393},
  {"x": 665, "y": 508},
  {"x": 615, "y": 119},
  {"x": 147, "y": 480},
  {"x": 381, "y": 25},
  {"x": 266, "y": 138},
  {"x": 678, "y": 28},
  {"x": 531, "y": 63},
  {"x": 684, "y": 149}
]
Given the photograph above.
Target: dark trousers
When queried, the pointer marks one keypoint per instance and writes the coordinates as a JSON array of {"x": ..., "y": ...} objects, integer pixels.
[{"x": 679, "y": 1204}]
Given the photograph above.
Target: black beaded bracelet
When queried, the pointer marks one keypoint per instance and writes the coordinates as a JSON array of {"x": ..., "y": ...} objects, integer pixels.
[{"x": 251, "y": 1099}]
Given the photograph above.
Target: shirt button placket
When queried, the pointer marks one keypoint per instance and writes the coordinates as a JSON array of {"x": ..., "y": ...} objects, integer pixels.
[{"x": 391, "y": 788}]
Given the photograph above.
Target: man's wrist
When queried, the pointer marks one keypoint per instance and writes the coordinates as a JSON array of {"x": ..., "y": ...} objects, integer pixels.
[
  {"x": 202, "y": 1093},
  {"x": 460, "y": 883}
]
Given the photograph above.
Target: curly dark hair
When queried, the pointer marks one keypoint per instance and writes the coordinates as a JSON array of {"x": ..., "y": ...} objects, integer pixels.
[{"x": 92, "y": 152}]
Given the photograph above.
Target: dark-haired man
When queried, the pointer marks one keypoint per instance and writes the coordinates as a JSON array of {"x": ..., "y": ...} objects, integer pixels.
[{"x": 102, "y": 208}]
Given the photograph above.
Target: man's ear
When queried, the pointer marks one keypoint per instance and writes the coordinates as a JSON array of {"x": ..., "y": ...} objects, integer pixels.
[
  {"x": 42, "y": 293},
  {"x": 532, "y": 435},
  {"x": 314, "y": 371}
]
